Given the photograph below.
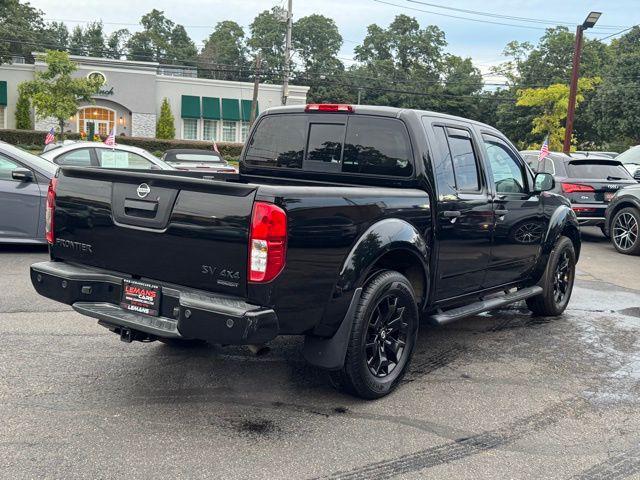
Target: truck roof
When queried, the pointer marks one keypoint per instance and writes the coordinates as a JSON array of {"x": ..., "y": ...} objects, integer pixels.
[{"x": 382, "y": 111}]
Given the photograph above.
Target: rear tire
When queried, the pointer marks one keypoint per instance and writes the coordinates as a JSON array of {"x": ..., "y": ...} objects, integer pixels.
[
  {"x": 382, "y": 338},
  {"x": 625, "y": 231},
  {"x": 557, "y": 281}
]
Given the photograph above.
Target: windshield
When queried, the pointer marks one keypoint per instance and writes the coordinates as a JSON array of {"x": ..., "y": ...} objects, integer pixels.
[
  {"x": 593, "y": 169},
  {"x": 198, "y": 157},
  {"x": 30, "y": 159},
  {"x": 631, "y": 156}
]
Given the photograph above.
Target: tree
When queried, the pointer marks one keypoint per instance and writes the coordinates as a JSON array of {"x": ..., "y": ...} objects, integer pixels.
[
  {"x": 76, "y": 42},
  {"x": 54, "y": 92},
  {"x": 554, "y": 101},
  {"x": 117, "y": 43},
  {"x": 225, "y": 46},
  {"x": 268, "y": 31},
  {"x": 93, "y": 39},
  {"x": 56, "y": 36},
  {"x": 23, "y": 113},
  {"x": 21, "y": 30},
  {"x": 165, "y": 128},
  {"x": 161, "y": 41}
]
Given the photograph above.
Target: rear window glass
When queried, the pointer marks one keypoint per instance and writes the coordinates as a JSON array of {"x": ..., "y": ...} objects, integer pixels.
[
  {"x": 597, "y": 170},
  {"x": 197, "y": 157},
  {"x": 325, "y": 142},
  {"x": 278, "y": 141},
  {"x": 377, "y": 146}
]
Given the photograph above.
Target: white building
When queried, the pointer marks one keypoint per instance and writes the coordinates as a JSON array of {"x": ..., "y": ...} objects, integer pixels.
[{"x": 132, "y": 94}]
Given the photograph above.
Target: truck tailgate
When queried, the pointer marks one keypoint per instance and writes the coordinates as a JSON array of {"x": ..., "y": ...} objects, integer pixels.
[{"x": 186, "y": 231}]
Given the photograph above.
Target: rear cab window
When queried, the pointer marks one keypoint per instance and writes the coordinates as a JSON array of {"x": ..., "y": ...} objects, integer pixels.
[
  {"x": 597, "y": 169},
  {"x": 335, "y": 143}
]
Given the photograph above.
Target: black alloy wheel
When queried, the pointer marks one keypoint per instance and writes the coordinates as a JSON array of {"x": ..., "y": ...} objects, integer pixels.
[{"x": 386, "y": 336}]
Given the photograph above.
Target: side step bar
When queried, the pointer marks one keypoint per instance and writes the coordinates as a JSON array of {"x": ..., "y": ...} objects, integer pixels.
[{"x": 484, "y": 305}]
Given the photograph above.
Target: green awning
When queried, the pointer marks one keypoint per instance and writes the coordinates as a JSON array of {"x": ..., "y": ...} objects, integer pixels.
[
  {"x": 246, "y": 110},
  {"x": 211, "y": 108},
  {"x": 230, "y": 109},
  {"x": 3, "y": 93},
  {"x": 190, "y": 106}
]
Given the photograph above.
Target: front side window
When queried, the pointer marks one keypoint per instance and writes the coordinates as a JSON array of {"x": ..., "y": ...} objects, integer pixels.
[
  {"x": 78, "y": 158},
  {"x": 465, "y": 165},
  {"x": 122, "y": 159},
  {"x": 6, "y": 167},
  {"x": 190, "y": 128},
  {"x": 278, "y": 141},
  {"x": 505, "y": 168},
  {"x": 229, "y": 131},
  {"x": 210, "y": 130}
]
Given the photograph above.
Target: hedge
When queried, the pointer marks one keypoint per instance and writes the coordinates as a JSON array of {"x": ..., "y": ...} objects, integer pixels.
[{"x": 36, "y": 139}]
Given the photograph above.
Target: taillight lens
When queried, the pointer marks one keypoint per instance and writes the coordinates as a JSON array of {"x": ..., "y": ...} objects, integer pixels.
[
  {"x": 267, "y": 242},
  {"x": 50, "y": 210},
  {"x": 576, "y": 187}
]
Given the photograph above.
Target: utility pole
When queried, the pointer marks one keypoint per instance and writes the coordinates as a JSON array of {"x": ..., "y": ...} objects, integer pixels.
[
  {"x": 589, "y": 22},
  {"x": 359, "y": 94},
  {"x": 256, "y": 86},
  {"x": 287, "y": 53}
]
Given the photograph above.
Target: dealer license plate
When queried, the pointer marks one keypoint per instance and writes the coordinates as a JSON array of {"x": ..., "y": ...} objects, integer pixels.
[{"x": 140, "y": 297}]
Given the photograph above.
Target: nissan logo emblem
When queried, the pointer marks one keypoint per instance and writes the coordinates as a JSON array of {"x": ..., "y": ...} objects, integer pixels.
[{"x": 143, "y": 190}]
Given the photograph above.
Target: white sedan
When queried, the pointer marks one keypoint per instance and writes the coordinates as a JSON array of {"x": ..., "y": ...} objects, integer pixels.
[{"x": 97, "y": 154}]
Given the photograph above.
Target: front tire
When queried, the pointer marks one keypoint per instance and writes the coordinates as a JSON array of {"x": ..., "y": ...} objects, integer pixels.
[
  {"x": 557, "y": 281},
  {"x": 382, "y": 338},
  {"x": 625, "y": 234}
]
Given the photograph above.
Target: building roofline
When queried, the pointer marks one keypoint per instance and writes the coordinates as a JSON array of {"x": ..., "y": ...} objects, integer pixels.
[
  {"x": 85, "y": 60},
  {"x": 222, "y": 83}
]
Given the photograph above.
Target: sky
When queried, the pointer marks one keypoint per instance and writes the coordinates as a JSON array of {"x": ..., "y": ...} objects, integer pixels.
[{"x": 483, "y": 42}]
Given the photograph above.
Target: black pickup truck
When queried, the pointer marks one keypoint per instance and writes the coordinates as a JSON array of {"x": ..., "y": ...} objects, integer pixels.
[{"x": 346, "y": 224}]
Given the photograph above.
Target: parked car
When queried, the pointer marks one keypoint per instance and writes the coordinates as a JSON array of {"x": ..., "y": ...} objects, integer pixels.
[
  {"x": 623, "y": 220},
  {"x": 631, "y": 160},
  {"x": 346, "y": 224},
  {"x": 197, "y": 160},
  {"x": 97, "y": 154},
  {"x": 24, "y": 181},
  {"x": 593, "y": 154},
  {"x": 588, "y": 183}
]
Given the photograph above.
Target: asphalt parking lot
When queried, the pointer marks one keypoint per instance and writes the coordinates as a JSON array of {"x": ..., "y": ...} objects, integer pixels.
[{"x": 500, "y": 395}]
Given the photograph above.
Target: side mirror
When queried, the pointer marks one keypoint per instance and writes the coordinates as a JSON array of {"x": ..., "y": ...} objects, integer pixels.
[
  {"x": 543, "y": 182},
  {"x": 22, "y": 174}
]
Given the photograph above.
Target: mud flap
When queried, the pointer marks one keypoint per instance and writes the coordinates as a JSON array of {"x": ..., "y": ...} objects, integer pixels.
[{"x": 329, "y": 353}]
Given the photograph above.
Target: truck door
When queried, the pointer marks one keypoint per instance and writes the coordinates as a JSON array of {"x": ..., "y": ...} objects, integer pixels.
[
  {"x": 464, "y": 212},
  {"x": 519, "y": 221}
]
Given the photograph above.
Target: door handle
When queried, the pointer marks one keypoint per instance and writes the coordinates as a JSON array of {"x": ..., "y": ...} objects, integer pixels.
[
  {"x": 501, "y": 212},
  {"x": 451, "y": 214}
]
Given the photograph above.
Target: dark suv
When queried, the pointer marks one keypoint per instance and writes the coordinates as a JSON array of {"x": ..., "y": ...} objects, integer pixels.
[{"x": 589, "y": 183}]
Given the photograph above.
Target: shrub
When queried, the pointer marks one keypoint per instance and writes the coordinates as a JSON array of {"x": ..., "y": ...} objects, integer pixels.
[
  {"x": 165, "y": 128},
  {"x": 23, "y": 113},
  {"x": 36, "y": 138}
]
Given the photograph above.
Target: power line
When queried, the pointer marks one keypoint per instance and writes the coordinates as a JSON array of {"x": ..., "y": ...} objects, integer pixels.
[
  {"x": 530, "y": 27},
  {"x": 617, "y": 33},
  {"x": 506, "y": 17}
]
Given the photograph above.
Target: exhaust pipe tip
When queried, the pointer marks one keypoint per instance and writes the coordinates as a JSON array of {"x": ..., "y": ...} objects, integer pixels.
[{"x": 259, "y": 350}]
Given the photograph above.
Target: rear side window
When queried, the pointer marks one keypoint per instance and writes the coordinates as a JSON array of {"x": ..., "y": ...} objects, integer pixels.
[
  {"x": 377, "y": 146},
  {"x": 278, "y": 141},
  {"x": 593, "y": 169},
  {"x": 77, "y": 158},
  {"x": 465, "y": 165}
]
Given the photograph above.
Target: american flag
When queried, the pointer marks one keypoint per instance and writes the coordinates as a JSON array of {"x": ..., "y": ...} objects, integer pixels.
[
  {"x": 544, "y": 150},
  {"x": 51, "y": 137},
  {"x": 215, "y": 147},
  {"x": 111, "y": 139}
]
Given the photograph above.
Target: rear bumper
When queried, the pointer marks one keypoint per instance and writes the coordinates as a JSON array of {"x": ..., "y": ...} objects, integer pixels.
[{"x": 184, "y": 312}]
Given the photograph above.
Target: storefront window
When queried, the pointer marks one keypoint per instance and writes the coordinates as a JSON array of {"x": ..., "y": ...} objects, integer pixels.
[
  {"x": 103, "y": 120},
  {"x": 2, "y": 122},
  {"x": 244, "y": 130},
  {"x": 229, "y": 131},
  {"x": 190, "y": 128},
  {"x": 210, "y": 130}
]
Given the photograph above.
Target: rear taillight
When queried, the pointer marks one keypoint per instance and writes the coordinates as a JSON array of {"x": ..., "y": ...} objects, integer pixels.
[
  {"x": 576, "y": 187},
  {"x": 50, "y": 210},
  {"x": 267, "y": 242},
  {"x": 329, "y": 107}
]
